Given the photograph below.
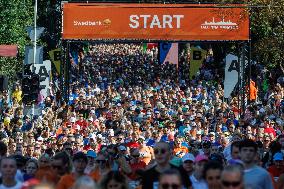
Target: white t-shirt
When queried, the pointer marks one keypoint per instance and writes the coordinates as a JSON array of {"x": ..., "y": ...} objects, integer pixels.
[
  {"x": 17, "y": 186},
  {"x": 198, "y": 184}
]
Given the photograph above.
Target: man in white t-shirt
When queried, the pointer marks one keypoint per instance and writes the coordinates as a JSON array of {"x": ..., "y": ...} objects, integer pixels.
[
  {"x": 254, "y": 176},
  {"x": 8, "y": 169}
]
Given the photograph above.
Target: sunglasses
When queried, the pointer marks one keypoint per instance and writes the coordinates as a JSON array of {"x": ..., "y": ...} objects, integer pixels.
[
  {"x": 157, "y": 151},
  {"x": 56, "y": 167},
  {"x": 168, "y": 186},
  {"x": 101, "y": 161},
  {"x": 228, "y": 184},
  {"x": 205, "y": 146}
]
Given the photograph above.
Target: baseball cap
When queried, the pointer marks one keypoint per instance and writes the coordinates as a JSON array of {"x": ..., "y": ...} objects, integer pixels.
[
  {"x": 91, "y": 153},
  {"x": 212, "y": 133},
  {"x": 72, "y": 119},
  {"x": 198, "y": 115},
  {"x": 156, "y": 112},
  {"x": 188, "y": 156},
  {"x": 186, "y": 130},
  {"x": 40, "y": 139},
  {"x": 278, "y": 156},
  {"x": 122, "y": 148},
  {"x": 216, "y": 157},
  {"x": 199, "y": 132},
  {"x": 111, "y": 132},
  {"x": 200, "y": 158}
]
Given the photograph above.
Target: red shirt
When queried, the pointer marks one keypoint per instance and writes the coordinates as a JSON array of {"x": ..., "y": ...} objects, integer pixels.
[
  {"x": 83, "y": 124},
  {"x": 135, "y": 167},
  {"x": 274, "y": 171}
]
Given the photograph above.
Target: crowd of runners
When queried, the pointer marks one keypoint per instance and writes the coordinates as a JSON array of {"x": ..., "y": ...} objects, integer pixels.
[{"x": 131, "y": 122}]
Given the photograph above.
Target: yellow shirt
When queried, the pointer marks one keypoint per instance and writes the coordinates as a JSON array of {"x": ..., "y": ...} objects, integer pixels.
[{"x": 17, "y": 95}]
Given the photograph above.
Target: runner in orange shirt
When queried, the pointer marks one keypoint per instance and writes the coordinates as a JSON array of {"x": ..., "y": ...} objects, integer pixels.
[
  {"x": 80, "y": 162},
  {"x": 179, "y": 150}
]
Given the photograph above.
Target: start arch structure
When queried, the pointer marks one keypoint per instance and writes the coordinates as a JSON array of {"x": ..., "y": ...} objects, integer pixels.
[{"x": 112, "y": 22}]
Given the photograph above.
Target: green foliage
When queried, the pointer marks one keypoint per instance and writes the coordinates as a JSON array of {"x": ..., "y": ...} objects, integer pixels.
[
  {"x": 15, "y": 16},
  {"x": 267, "y": 27}
]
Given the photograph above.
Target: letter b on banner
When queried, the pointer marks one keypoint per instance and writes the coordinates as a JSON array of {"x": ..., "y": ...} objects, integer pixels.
[
  {"x": 196, "y": 55},
  {"x": 57, "y": 55}
]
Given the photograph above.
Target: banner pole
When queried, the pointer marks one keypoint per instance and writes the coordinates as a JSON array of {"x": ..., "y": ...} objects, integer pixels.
[
  {"x": 35, "y": 23},
  {"x": 239, "y": 82},
  {"x": 34, "y": 54},
  {"x": 249, "y": 59}
]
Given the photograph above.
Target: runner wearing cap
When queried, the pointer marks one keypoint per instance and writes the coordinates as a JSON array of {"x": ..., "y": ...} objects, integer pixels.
[
  {"x": 277, "y": 168},
  {"x": 187, "y": 163},
  {"x": 197, "y": 178}
]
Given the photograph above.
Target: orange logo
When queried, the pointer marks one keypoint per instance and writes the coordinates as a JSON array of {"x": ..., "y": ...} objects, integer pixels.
[{"x": 107, "y": 22}]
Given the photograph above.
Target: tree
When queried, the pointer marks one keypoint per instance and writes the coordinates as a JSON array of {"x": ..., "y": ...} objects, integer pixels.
[
  {"x": 267, "y": 27},
  {"x": 15, "y": 16}
]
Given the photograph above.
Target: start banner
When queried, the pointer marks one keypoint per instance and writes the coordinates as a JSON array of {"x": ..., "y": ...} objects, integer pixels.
[{"x": 155, "y": 22}]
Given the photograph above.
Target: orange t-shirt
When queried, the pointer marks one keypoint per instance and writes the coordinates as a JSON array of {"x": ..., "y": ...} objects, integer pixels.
[
  {"x": 46, "y": 174},
  {"x": 96, "y": 175},
  {"x": 66, "y": 181},
  {"x": 253, "y": 91}
]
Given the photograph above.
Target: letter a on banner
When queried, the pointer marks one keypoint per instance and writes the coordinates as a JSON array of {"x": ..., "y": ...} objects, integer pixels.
[
  {"x": 169, "y": 53},
  {"x": 197, "y": 56},
  {"x": 231, "y": 74}
]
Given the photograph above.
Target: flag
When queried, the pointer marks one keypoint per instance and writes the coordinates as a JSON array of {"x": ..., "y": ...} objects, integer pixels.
[
  {"x": 197, "y": 55},
  {"x": 169, "y": 53},
  {"x": 144, "y": 47},
  {"x": 8, "y": 50},
  {"x": 231, "y": 74},
  {"x": 75, "y": 57},
  {"x": 55, "y": 56},
  {"x": 149, "y": 46}
]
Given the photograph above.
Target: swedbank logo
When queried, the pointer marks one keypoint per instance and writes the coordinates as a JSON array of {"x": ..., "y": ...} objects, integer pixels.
[{"x": 107, "y": 22}]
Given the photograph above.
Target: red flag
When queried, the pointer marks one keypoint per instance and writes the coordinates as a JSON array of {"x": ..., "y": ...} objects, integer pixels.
[{"x": 8, "y": 50}]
